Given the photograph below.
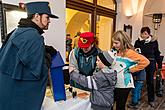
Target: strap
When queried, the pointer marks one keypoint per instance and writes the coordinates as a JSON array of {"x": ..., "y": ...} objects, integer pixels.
[{"x": 91, "y": 83}]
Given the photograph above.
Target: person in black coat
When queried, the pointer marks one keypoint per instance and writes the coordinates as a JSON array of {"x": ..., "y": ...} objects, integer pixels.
[{"x": 150, "y": 49}]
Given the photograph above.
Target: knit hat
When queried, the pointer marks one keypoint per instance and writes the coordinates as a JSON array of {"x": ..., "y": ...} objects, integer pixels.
[
  {"x": 106, "y": 57},
  {"x": 41, "y": 7},
  {"x": 85, "y": 39}
]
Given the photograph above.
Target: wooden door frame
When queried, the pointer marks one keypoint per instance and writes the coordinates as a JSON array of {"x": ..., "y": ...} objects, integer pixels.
[{"x": 94, "y": 10}]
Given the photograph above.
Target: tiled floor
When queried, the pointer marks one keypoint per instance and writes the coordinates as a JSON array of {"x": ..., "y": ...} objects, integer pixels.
[{"x": 159, "y": 102}]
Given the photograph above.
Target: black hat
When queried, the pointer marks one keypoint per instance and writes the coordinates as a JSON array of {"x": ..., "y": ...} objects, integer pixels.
[
  {"x": 40, "y": 8},
  {"x": 107, "y": 57}
]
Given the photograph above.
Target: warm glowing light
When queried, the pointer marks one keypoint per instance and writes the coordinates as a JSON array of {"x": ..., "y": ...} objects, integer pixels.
[
  {"x": 128, "y": 13},
  {"x": 134, "y": 6},
  {"x": 130, "y": 7}
]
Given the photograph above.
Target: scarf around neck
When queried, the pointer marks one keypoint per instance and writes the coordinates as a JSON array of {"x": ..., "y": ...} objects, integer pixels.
[{"x": 146, "y": 40}]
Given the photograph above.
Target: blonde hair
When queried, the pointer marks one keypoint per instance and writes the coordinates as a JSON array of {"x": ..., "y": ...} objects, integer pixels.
[{"x": 124, "y": 39}]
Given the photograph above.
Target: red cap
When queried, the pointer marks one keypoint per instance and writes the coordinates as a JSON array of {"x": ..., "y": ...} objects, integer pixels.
[{"x": 85, "y": 39}]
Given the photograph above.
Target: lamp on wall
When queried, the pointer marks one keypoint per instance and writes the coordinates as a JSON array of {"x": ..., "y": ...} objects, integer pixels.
[
  {"x": 156, "y": 10},
  {"x": 156, "y": 19}
]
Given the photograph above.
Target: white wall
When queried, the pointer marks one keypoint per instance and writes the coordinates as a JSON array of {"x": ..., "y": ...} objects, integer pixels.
[
  {"x": 137, "y": 20},
  {"x": 130, "y": 14},
  {"x": 148, "y": 22},
  {"x": 55, "y": 35}
]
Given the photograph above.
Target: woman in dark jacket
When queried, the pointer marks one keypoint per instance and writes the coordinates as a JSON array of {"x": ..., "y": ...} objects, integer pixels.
[{"x": 150, "y": 49}]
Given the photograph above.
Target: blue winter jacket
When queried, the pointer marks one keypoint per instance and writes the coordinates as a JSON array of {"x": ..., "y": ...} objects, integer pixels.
[{"x": 23, "y": 72}]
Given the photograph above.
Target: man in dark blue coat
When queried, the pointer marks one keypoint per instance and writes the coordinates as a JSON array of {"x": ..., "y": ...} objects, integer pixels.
[{"x": 23, "y": 71}]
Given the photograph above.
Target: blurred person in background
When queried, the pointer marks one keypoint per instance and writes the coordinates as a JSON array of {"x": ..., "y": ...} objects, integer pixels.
[
  {"x": 75, "y": 40},
  {"x": 68, "y": 46}
]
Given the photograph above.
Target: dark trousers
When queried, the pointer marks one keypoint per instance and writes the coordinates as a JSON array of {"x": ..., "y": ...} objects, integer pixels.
[
  {"x": 150, "y": 69},
  {"x": 120, "y": 97}
]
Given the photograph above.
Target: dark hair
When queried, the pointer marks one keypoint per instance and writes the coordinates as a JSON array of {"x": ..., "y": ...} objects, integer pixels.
[
  {"x": 147, "y": 29},
  {"x": 67, "y": 34},
  {"x": 31, "y": 16}
]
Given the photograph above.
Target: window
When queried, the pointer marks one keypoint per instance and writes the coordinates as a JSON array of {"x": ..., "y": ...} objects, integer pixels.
[
  {"x": 107, "y": 4},
  {"x": 88, "y": 1},
  {"x": 77, "y": 21},
  {"x": 98, "y": 16},
  {"x": 104, "y": 31}
]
